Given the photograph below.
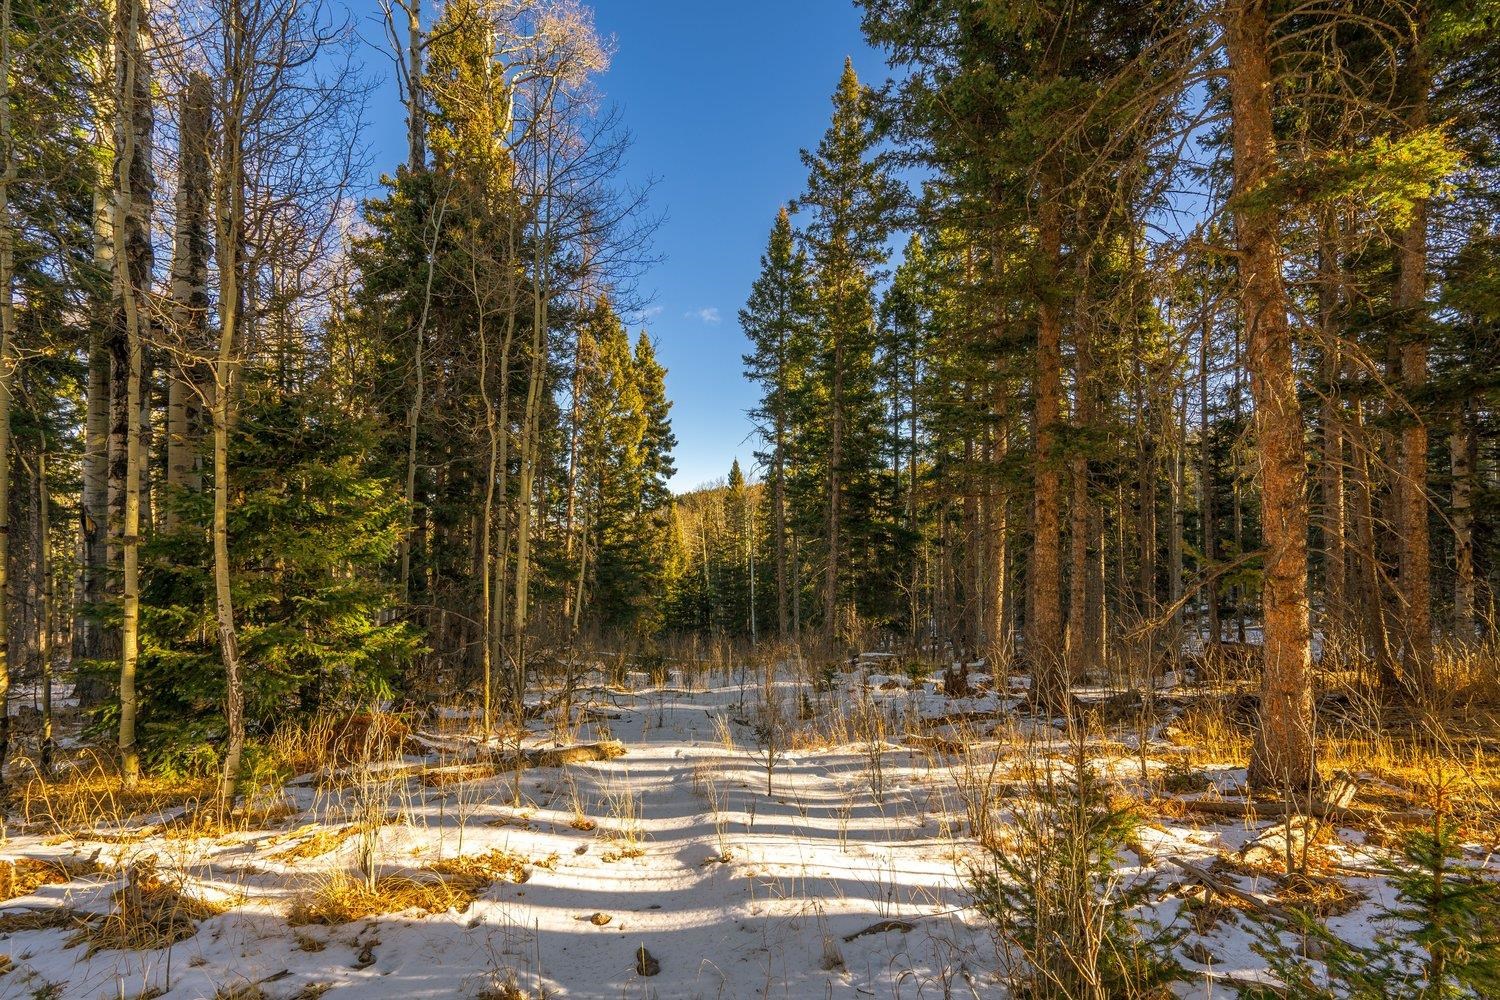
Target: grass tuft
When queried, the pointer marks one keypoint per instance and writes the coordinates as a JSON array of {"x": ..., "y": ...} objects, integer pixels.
[{"x": 343, "y": 899}]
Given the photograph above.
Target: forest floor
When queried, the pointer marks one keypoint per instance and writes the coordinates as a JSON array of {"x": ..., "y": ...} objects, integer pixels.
[{"x": 383, "y": 862}]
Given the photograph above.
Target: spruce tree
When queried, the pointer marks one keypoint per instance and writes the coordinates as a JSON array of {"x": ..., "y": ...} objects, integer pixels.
[
  {"x": 777, "y": 320},
  {"x": 850, "y": 197}
]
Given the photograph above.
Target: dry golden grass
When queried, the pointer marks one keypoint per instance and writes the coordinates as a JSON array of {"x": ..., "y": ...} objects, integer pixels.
[
  {"x": 458, "y": 774},
  {"x": 41, "y": 920},
  {"x": 148, "y": 913},
  {"x": 1469, "y": 677},
  {"x": 1211, "y": 734},
  {"x": 492, "y": 866},
  {"x": 1317, "y": 894},
  {"x": 342, "y": 898},
  {"x": 320, "y": 842},
  {"x": 299, "y": 747},
  {"x": 204, "y": 823},
  {"x": 365, "y": 736},
  {"x": 24, "y": 876},
  {"x": 89, "y": 794}
]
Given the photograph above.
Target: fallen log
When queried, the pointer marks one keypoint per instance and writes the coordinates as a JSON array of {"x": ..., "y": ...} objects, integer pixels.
[
  {"x": 483, "y": 762},
  {"x": 523, "y": 761},
  {"x": 1248, "y": 809},
  {"x": 1234, "y": 892},
  {"x": 937, "y": 744},
  {"x": 880, "y": 927}
]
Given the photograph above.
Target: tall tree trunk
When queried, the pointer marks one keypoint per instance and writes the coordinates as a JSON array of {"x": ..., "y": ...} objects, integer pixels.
[
  {"x": 7, "y": 367},
  {"x": 414, "y": 408},
  {"x": 1044, "y": 634},
  {"x": 1208, "y": 579},
  {"x": 189, "y": 308},
  {"x": 974, "y": 538},
  {"x": 229, "y": 244},
  {"x": 132, "y": 234},
  {"x": 1177, "y": 486},
  {"x": 1236, "y": 489},
  {"x": 1146, "y": 470},
  {"x": 529, "y": 451},
  {"x": 1409, "y": 301},
  {"x": 778, "y": 518},
  {"x": 44, "y": 628},
  {"x": 1284, "y": 747},
  {"x": 487, "y": 522},
  {"x": 1366, "y": 562},
  {"x": 1335, "y": 510},
  {"x": 92, "y": 638},
  {"x": 573, "y": 599},
  {"x": 914, "y": 580},
  {"x": 1461, "y": 447},
  {"x": 796, "y": 568},
  {"x": 1331, "y": 471},
  {"x": 999, "y": 526},
  {"x": 416, "y": 131},
  {"x": 1081, "y": 651},
  {"x": 831, "y": 568}
]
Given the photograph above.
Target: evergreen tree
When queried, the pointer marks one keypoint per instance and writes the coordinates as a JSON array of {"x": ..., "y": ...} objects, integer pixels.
[
  {"x": 777, "y": 321},
  {"x": 850, "y": 197}
]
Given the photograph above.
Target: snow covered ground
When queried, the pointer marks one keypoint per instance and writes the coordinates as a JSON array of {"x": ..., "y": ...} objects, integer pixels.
[{"x": 846, "y": 880}]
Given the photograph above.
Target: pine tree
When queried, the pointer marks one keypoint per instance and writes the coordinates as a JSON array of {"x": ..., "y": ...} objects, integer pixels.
[
  {"x": 777, "y": 321},
  {"x": 624, "y": 467},
  {"x": 850, "y": 196}
]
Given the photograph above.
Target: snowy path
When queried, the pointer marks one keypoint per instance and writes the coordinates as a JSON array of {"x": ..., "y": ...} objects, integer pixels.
[{"x": 819, "y": 860}]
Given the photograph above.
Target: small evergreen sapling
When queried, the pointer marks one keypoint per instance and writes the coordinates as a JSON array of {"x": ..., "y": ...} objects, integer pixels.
[
  {"x": 1070, "y": 925},
  {"x": 1442, "y": 940}
]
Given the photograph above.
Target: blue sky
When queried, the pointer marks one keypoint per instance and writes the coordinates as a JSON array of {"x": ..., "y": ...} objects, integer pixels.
[{"x": 720, "y": 95}]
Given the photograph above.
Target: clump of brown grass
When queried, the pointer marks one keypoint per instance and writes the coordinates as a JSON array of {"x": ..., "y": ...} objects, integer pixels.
[
  {"x": 1317, "y": 894},
  {"x": 148, "y": 913},
  {"x": 200, "y": 823},
  {"x": 1469, "y": 674},
  {"x": 1212, "y": 735},
  {"x": 321, "y": 842},
  {"x": 503, "y": 989},
  {"x": 366, "y": 736},
  {"x": 492, "y": 866},
  {"x": 24, "y": 876},
  {"x": 41, "y": 920},
  {"x": 457, "y": 774},
  {"x": 90, "y": 793},
  {"x": 299, "y": 747},
  {"x": 342, "y": 898}
]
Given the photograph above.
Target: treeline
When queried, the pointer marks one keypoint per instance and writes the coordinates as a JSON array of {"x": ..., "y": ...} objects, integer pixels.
[
  {"x": 720, "y": 573},
  {"x": 270, "y": 449},
  {"x": 1194, "y": 338}
]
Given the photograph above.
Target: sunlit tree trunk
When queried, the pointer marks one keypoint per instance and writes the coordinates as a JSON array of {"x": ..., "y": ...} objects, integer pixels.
[
  {"x": 1409, "y": 300},
  {"x": 7, "y": 365},
  {"x": 1461, "y": 453},
  {"x": 1284, "y": 747},
  {"x": 1206, "y": 514},
  {"x": 229, "y": 245},
  {"x": 93, "y": 640},
  {"x": 189, "y": 308},
  {"x": 487, "y": 526},
  {"x": 1082, "y": 652},
  {"x": 133, "y": 253},
  {"x": 999, "y": 525},
  {"x": 1044, "y": 632},
  {"x": 1177, "y": 486}
]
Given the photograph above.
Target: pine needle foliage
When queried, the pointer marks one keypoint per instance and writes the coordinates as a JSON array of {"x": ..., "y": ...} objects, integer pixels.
[
  {"x": 1440, "y": 937},
  {"x": 1070, "y": 923}
]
